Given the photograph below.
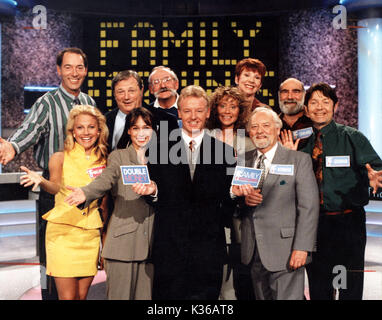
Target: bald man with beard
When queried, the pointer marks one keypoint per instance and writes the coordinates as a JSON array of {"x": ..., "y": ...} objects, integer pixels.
[{"x": 291, "y": 103}]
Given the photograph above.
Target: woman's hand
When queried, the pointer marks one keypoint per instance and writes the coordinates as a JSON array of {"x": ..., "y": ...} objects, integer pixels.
[
  {"x": 31, "y": 178},
  {"x": 76, "y": 197},
  {"x": 145, "y": 189}
]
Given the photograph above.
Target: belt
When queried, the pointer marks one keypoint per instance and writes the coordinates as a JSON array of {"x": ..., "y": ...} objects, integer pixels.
[{"x": 335, "y": 213}]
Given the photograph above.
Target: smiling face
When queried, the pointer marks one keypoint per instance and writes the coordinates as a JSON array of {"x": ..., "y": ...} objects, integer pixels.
[
  {"x": 72, "y": 72},
  {"x": 249, "y": 81},
  {"x": 320, "y": 109},
  {"x": 140, "y": 133},
  {"x": 128, "y": 95},
  {"x": 194, "y": 113},
  {"x": 263, "y": 131},
  {"x": 86, "y": 131},
  {"x": 291, "y": 97},
  {"x": 228, "y": 112}
]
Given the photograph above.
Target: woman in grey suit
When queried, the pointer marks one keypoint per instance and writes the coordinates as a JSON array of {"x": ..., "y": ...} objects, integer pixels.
[{"x": 127, "y": 247}]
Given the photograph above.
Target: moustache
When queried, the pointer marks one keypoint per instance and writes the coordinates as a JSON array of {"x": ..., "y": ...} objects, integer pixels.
[{"x": 157, "y": 93}]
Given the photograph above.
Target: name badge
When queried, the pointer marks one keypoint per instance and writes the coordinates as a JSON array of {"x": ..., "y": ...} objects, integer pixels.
[
  {"x": 95, "y": 172},
  {"x": 243, "y": 175},
  {"x": 302, "y": 133},
  {"x": 282, "y": 169},
  {"x": 133, "y": 174},
  {"x": 337, "y": 161}
]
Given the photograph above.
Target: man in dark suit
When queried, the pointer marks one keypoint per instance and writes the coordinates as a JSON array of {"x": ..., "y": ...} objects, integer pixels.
[
  {"x": 192, "y": 205},
  {"x": 280, "y": 217},
  {"x": 127, "y": 87}
]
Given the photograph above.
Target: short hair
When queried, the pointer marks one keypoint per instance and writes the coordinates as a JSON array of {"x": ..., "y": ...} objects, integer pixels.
[
  {"x": 101, "y": 144},
  {"x": 294, "y": 79},
  {"x": 274, "y": 115},
  {"x": 125, "y": 75},
  {"x": 235, "y": 93},
  {"x": 193, "y": 91},
  {"x": 251, "y": 64},
  {"x": 134, "y": 114},
  {"x": 326, "y": 90},
  {"x": 169, "y": 70},
  {"x": 60, "y": 55}
]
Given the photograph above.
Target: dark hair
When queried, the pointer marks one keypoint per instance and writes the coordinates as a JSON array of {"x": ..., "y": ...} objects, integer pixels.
[
  {"x": 251, "y": 64},
  {"x": 60, "y": 55},
  {"x": 134, "y": 114},
  {"x": 124, "y": 75},
  {"x": 326, "y": 90},
  {"x": 233, "y": 92}
]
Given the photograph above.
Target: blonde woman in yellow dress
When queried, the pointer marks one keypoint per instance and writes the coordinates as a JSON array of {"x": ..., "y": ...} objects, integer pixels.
[{"x": 73, "y": 235}]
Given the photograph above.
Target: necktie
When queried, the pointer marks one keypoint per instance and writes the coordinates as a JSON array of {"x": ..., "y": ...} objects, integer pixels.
[
  {"x": 76, "y": 101},
  {"x": 192, "y": 161},
  {"x": 317, "y": 163},
  {"x": 261, "y": 165}
]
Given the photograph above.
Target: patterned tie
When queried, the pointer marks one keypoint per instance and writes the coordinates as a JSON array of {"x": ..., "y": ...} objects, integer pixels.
[
  {"x": 192, "y": 145},
  {"x": 317, "y": 163},
  {"x": 261, "y": 165}
]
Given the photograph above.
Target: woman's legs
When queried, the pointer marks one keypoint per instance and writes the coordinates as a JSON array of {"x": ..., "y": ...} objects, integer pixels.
[{"x": 73, "y": 288}]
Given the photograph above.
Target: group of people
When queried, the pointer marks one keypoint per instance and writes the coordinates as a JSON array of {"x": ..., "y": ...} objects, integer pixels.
[{"x": 189, "y": 233}]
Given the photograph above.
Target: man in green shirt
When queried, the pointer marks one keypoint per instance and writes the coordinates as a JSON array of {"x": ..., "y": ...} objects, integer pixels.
[{"x": 343, "y": 159}]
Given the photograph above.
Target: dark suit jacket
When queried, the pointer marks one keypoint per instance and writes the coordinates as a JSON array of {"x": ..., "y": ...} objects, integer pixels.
[
  {"x": 161, "y": 118},
  {"x": 189, "y": 242}
]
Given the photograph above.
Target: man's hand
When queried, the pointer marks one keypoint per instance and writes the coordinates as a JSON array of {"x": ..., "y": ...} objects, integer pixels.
[
  {"x": 297, "y": 259},
  {"x": 7, "y": 152},
  {"x": 286, "y": 139},
  {"x": 254, "y": 198},
  {"x": 375, "y": 178},
  {"x": 242, "y": 191},
  {"x": 31, "y": 178},
  {"x": 76, "y": 197}
]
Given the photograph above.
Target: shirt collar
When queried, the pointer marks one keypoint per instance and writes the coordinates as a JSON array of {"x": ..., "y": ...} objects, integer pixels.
[
  {"x": 270, "y": 154},
  {"x": 121, "y": 115},
  {"x": 329, "y": 127},
  {"x": 157, "y": 105},
  {"x": 67, "y": 93},
  {"x": 198, "y": 139}
]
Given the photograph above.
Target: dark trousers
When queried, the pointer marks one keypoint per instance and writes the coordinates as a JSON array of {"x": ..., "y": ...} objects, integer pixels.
[
  {"x": 44, "y": 204},
  {"x": 341, "y": 241}
]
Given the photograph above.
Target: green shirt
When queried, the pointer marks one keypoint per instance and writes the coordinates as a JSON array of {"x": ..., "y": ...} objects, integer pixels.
[
  {"x": 345, "y": 187},
  {"x": 44, "y": 128}
]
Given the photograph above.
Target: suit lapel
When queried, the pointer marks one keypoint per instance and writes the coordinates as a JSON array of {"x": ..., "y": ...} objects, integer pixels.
[{"x": 279, "y": 158}]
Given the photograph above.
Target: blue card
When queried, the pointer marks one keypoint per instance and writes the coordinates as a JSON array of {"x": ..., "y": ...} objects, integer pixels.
[
  {"x": 245, "y": 175},
  {"x": 133, "y": 174},
  {"x": 302, "y": 133}
]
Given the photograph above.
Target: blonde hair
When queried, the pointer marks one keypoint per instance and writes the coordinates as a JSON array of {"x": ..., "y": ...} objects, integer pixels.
[
  {"x": 101, "y": 144},
  {"x": 193, "y": 91}
]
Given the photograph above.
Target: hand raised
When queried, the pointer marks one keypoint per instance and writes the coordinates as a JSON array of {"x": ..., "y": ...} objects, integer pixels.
[{"x": 286, "y": 139}]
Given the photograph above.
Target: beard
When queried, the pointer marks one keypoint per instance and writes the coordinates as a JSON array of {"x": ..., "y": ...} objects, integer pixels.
[
  {"x": 262, "y": 144},
  {"x": 291, "y": 110}
]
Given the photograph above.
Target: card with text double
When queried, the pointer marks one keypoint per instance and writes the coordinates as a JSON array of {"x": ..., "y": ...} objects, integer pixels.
[{"x": 133, "y": 174}]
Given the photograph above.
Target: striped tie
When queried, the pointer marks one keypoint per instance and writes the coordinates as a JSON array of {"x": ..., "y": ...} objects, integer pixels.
[{"x": 261, "y": 165}]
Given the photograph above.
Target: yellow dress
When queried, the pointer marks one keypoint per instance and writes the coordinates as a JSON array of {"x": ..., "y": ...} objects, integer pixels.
[{"x": 72, "y": 235}]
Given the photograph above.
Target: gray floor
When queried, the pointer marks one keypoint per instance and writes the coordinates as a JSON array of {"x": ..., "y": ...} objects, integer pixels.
[{"x": 17, "y": 280}]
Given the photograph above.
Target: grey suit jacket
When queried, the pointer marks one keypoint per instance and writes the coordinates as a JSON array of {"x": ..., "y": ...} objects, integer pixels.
[
  {"x": 129, "y": 233},
  {"x": 287, "y": 218}
]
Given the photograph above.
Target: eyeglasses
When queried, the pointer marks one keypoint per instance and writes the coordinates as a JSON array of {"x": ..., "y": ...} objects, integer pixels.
[
  {"x": 159, "y": 81},
  {"x": 294, "y": 91}
]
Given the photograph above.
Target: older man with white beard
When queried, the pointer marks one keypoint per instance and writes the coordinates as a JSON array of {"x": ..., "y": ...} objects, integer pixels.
[{"x": 291, "y": 103}]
